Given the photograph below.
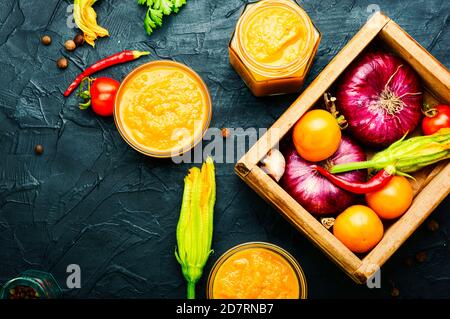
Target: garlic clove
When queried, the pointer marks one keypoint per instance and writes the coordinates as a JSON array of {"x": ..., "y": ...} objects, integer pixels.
[{"x": 274, "y": 164}]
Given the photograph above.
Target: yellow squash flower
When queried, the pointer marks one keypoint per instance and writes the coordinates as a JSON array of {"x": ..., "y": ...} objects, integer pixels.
[
  {"x": 195, "y": 226},
  {"x": 86, "y": 19},
  {"x": 406, "y": 156}
]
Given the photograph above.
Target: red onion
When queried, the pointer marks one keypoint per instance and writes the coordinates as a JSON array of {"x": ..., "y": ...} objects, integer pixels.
[
  {"x": 314, "y": 192},
  {"x": 380, "y": 97}
]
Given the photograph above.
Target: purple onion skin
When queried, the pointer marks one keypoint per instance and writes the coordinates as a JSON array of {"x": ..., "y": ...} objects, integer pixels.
[
  {"x": 314, "y": 192},
  {"x": 358, "y": 99}
]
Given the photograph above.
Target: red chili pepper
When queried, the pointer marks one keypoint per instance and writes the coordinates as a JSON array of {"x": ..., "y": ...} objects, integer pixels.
[
  {"x": 378, "y": 181},
  {"x": 118, "y": 58}
]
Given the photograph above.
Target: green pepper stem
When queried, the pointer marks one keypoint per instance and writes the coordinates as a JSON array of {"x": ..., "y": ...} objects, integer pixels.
[
  {"x": 138, "y": 54},
  {"x": 190, "y": 290},
  {"x": 342, "y": 168}
]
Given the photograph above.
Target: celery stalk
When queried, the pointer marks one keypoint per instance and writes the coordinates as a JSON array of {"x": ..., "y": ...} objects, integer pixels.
[{"x": 195, "y": 225}]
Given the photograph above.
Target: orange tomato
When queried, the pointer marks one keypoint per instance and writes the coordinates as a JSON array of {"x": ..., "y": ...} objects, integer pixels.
[
  {"x": 358, "y": 228},
  {"x": 316, "y": 135},
  {"x": 393, "y": 200}
]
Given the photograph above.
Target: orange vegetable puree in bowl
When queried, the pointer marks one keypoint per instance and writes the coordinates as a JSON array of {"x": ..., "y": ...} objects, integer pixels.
[
  {"x": 256, "y": 271},
  {"x": 162, "y": 108}
]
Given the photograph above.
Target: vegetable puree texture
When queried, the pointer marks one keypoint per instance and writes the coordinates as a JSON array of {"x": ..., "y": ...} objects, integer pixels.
[
  {"x": 163, "y": 108},
  {"x": 256, "y": 273},
  {"x": 275, "y": 36}
]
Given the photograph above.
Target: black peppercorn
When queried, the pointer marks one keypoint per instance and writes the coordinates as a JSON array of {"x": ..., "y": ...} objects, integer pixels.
[
  {"x": 39, "y": 149},
  {"x": 433, "y": 226},
  {"x": 70, "y": 45},
  {"x": 225, "y": 132},
  {"x": 409, "y": 262},
  {"x": 421, "y": 257},
  {"x": 62, "y": 63},
  {"x": 395, "y": 292},
  {"x": 79, "y": 40},
  {"x": 46, "y": 40}
]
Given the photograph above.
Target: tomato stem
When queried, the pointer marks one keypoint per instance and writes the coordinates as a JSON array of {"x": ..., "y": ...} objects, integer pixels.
[
  {"x": 85, "y": 94},
  {"x": 429, "y": 111},
  {"x": 330, "y": 104},
  {"x": 84, "y": 106}
]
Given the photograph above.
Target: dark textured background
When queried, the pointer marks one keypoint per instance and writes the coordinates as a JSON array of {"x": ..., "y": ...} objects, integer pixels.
[{"x": 92, "y": 200}]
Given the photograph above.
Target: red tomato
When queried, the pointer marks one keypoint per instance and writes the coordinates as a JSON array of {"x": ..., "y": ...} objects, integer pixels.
[
  {"x": 103, "y": 95},
  {"x": 441, "y": 119}
]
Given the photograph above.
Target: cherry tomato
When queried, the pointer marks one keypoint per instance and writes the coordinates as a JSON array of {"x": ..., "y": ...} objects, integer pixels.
[
  {"x": 393, "y": 200},
  {"x": 103, "y": 95},
  {"x": 316, "y": 135},
  {"x": 441, "y": 119},
  {"x": 358, "y": 228}
]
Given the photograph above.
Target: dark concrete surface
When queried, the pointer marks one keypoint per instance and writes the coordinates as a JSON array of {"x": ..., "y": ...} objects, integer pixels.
[{"x": 93, "y": 201}]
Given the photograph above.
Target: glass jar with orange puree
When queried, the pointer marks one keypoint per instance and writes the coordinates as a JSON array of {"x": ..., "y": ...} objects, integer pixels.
[
  {"x": 273, "y": 46},
  {"x": 256, "y": 270}
]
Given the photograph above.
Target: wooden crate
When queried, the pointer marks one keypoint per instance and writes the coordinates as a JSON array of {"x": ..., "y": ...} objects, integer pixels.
[{"x": 432, "y": 184}]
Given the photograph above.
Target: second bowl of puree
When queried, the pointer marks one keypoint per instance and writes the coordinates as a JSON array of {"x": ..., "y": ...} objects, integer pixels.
[
  {"x": 163, "y": 109},
  {"x": 256, "y": 270}
]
